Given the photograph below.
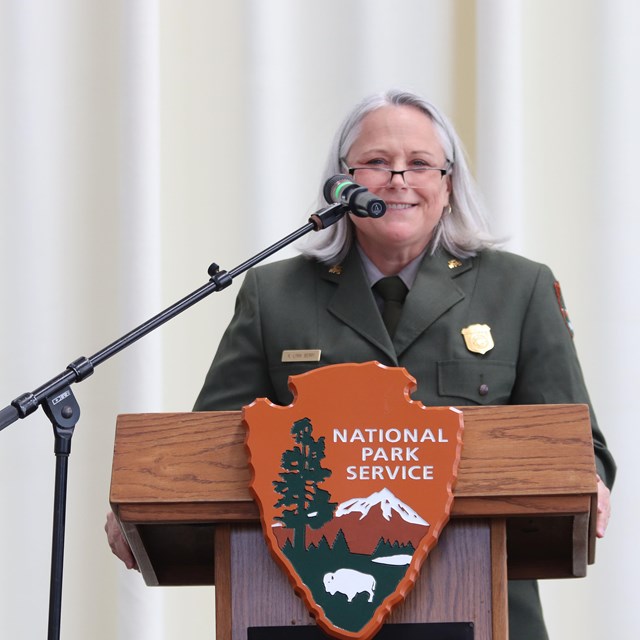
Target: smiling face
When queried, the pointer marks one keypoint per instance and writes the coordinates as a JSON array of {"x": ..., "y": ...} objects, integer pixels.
[{"x": 400, "y": 137}]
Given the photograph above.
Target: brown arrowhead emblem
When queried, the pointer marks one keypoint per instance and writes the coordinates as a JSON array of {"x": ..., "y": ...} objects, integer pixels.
[{"x": 354, "y": 484}]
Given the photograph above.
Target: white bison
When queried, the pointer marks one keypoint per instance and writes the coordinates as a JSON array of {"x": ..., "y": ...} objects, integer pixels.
[{"x": 350, "y": 582}]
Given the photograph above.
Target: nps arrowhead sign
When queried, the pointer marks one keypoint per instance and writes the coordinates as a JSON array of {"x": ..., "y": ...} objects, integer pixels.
[{"x": 354, "y": 485}]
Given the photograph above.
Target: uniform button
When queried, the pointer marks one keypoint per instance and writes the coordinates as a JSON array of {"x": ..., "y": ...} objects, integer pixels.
[{"x": 483, "y": 389}]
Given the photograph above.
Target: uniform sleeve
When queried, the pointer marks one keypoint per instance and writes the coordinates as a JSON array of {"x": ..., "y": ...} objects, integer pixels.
[
  {"x": 548, "y": 369},
  {"x": 239, "y": 373}
]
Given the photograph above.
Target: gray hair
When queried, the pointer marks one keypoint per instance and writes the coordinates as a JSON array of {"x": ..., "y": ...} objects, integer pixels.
[{"x": 462, "y": 232}]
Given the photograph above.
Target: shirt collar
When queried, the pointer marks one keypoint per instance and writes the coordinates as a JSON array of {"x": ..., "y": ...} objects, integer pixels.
[{"x": 407, "y": 274}]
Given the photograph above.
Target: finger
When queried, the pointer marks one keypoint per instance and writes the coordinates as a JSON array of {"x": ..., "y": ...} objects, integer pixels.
[
  {"x": 118, "y": 543},
  {"x": 604, "y": 509}
]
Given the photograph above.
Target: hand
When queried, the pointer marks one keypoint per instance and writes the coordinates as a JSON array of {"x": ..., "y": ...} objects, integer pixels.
[
  {"x": 118, "y": 542},
  {"x": 604, "y": 508}
]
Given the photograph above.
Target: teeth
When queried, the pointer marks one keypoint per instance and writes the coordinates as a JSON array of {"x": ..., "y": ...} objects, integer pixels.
[{"x": 399, "y": 206}]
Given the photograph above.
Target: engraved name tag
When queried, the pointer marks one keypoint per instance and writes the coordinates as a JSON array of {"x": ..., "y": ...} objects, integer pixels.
[{"x": 301, "y": 355}]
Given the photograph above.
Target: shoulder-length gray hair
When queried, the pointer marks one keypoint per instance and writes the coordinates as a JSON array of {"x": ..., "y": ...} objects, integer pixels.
[{"x": 462, "y": 232}]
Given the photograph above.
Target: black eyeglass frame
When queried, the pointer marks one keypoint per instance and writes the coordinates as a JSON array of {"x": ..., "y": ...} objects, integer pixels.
[{"x": 392, "y": 172}]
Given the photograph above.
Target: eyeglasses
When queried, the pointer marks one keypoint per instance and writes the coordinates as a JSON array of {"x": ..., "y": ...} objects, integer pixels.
[{"x": 418, "y": 177}]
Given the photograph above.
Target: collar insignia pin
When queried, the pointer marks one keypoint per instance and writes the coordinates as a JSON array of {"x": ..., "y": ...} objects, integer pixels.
[
  {"x": 336, "y": 269},
  {"x": 454, "y": 264}
]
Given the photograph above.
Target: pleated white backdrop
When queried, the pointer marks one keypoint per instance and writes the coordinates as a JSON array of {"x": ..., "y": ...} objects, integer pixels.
[{"x": 141, "y": 140}]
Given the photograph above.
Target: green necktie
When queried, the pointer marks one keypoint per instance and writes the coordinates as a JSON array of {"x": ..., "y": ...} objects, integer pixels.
[{"x": 393, "y": 292}]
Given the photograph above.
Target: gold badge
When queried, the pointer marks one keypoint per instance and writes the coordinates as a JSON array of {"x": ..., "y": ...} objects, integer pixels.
[
  {"x": 478, "y": 338},
  {"x": 454, "y": 264},
  {"x": 301, "y": 355},
  {"x": 336, "y": 269}
]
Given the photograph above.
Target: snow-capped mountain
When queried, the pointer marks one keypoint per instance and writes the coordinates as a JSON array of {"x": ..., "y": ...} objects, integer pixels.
[{"x": 388, "y": 503}]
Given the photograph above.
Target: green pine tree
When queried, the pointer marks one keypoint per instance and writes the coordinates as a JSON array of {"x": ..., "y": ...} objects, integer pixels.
[
  {"x": 340, "y": 546},
  {"x": 302, "y": 471}
]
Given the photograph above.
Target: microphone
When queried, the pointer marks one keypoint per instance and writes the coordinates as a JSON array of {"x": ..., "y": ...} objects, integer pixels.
[{"x": 342, "y": 189}]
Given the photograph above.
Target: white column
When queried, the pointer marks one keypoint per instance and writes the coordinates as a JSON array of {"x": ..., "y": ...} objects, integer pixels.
[
  {"x": 612, "y": 350},
  {"x": 140, "y": 609},
  {"x": 274, "y": 121},
  {"x": 31, "y": 181},
  {"x": 500, "y": 115},
  {"x": 617, "y": 250}
]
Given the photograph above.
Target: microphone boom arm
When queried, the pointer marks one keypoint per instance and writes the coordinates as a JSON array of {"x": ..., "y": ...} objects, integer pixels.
[{"x": 83, "y": 367}]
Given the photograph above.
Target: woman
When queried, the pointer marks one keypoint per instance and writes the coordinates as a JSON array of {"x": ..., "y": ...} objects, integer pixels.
[{"x": 434, "y": 237}]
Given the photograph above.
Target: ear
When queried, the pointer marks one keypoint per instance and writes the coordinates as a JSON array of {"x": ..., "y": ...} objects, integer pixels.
[{"x": 449, "y": 185}]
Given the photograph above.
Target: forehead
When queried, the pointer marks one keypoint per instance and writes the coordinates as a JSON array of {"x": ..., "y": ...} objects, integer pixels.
[{"x": 397, "y": 127}]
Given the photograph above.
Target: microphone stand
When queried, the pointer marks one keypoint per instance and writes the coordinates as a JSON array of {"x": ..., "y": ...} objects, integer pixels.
[{"x": 62, "y": 409}]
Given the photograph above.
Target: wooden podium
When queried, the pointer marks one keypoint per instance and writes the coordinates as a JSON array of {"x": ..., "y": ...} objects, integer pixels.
[{"x": 525, "y": 505}]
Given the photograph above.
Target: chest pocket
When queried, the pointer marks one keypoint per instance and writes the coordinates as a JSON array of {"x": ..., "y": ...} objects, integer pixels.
[{"x": 477, "y": 381}]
